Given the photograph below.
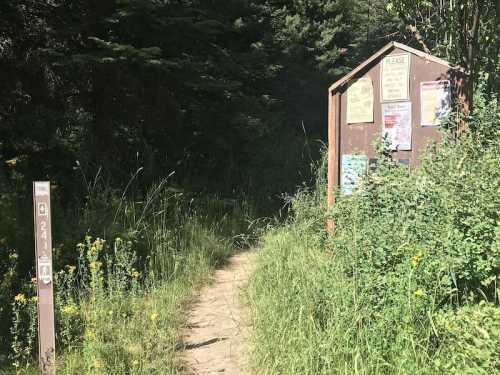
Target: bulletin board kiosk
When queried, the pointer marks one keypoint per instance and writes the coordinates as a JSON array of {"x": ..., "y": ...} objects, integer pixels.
[{"x": 399, "y": 93}]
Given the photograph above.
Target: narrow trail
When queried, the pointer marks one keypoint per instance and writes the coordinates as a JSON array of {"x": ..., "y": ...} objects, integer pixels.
[{"x": 218, "y": 328}]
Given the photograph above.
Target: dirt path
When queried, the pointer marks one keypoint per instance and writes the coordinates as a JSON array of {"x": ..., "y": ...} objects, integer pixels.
[{"x": 218, "y": 328}]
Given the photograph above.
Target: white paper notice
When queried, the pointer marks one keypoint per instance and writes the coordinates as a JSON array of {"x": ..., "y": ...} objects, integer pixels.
[
  {"x": 396, "y": 119},
  {"x": 360, "y": 101},
  {"x": 395, "y": 79},
  {"x": 435, "y": 102}
]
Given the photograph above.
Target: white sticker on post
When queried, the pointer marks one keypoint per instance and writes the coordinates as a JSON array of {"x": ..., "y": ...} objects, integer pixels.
[
  {"x": 45, "y": 269},
  {"x": 42, "y": 189}
]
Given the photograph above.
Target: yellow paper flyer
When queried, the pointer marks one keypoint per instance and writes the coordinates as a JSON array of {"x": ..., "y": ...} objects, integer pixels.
[
  {"x": 360, "y": 101},
  {"x": 435, "y": 102}
]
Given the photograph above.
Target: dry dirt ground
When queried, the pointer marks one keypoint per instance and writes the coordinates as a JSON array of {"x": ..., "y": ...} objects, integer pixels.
[{"x": 218, "y": 325}]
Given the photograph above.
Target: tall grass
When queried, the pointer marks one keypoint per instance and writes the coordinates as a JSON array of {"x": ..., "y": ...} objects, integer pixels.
[
  {"x": 409, "y": 282},
  {"x": 120, "y": 300}
]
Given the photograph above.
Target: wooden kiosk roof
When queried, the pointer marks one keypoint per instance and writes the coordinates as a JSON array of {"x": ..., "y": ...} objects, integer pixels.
[{"x": 380, "y": 53}]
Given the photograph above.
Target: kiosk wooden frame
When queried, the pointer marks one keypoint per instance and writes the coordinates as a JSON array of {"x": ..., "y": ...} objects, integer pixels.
[{"x": 346, "y": 138}]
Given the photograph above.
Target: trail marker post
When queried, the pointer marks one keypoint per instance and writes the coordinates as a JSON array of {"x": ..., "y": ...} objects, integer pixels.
[{"x": 44, "y": 277}]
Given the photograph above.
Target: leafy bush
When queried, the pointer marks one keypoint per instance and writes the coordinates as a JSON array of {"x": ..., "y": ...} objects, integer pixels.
[
  {"x": 470, "y": 338},
  {"x": 412, "y": 248}
]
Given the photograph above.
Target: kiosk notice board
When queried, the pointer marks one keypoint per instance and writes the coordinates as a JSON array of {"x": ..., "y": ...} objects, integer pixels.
[{"x": 400, "y": 96}]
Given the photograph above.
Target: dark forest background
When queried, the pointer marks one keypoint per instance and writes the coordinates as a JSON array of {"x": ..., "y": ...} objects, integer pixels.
[{"x": 228, "y": 95}]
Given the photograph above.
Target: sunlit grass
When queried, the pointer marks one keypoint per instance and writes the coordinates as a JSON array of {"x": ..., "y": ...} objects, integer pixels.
[
  {"x": 408, "y": 284},
  {"x": 120, "y": 305}
]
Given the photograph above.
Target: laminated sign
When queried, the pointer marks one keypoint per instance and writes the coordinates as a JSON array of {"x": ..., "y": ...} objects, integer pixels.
[
  {"x": 360, "y": 101},
  {"x": 395, "y": 78},
  {"x": 353, "y": 169},
  {"x": 435, "y": 102},
  {"x": 396, "y": 119}
]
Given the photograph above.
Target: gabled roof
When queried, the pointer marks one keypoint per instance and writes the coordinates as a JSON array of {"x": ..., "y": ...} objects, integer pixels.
[{"x": 383, "y": 50}]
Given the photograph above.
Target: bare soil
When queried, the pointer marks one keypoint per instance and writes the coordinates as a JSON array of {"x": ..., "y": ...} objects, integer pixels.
[{"x": 218, "y": 325}]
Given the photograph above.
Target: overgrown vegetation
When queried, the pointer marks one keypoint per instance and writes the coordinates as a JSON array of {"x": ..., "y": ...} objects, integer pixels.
[
  {"x": 408, "y": 283},
  {"x": 103, "y": 289},
  {"x": 161, "y": 248}
]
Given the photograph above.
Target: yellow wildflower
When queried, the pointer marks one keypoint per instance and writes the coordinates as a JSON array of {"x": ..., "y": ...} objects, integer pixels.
[
  {"x": 92, "y": 251},
  {"x": 98, "y": 244},
  {"x": 70, "y": 309},
  {"x": 419, "y": 292},
  {"x": 90, "y": 333},
  {"x": 95, "y": 265},
  {"x": 416, "y": 259},
  {"x": 34, "y": 299},
  {"x": 33, "y": 280},
  {"x": 135, "y": 274},
  {"x": 71, "y": 269},
  {"x": 12, "y": 162},
  {"x": 80, "y": 246},
  {"x": 20, "y": 298},
  {"x": 13, "y": 256},
  {"x": 154, "y": 317}
]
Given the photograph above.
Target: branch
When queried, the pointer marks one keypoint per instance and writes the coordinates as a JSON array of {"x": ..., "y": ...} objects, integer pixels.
[
  {"x": 418, "y": 37},
  {"x": 473, "y": 34}
]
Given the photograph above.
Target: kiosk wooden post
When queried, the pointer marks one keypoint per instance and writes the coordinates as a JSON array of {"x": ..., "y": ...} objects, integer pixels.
[{"x": 332, "y": 149}]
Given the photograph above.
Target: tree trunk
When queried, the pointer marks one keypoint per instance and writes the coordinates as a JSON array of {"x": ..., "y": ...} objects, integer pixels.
[{"x": 472, "y": 51}]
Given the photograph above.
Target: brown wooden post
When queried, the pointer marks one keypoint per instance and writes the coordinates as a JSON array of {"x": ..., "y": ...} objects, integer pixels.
[
  {"x": 44, "y": 276},
  {"x": 332, "y": 152}
]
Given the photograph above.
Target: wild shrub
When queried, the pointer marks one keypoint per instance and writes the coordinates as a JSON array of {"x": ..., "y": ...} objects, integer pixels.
[
  {"x": 119, "y": 303},
  {"x": 469, "y": 340},
  {"x": 413, "y": 249}
]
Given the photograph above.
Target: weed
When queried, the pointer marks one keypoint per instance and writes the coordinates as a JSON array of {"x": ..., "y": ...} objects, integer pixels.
[
  {"x": 409, "y": 282},
  {"x": 119, "y": 302}
]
